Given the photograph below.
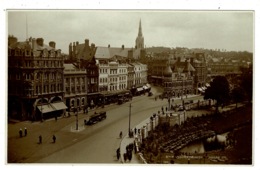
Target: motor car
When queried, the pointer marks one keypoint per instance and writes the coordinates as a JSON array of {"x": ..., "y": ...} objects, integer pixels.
[{"x": 95, "y": 118}]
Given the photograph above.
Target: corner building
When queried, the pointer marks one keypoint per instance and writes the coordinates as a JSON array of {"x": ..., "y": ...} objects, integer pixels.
[{"x": 35, "y": 80}]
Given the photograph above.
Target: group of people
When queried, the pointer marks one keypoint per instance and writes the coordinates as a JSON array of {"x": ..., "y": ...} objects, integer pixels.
[
  {"x": 21, "y": 132},
  {"x": 128, "y": 154}
]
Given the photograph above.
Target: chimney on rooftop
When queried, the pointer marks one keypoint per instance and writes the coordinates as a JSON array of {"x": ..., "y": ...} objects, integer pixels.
[
  {"x": 11, "y": 40},
  {"x": 52, "y": 44},
  {"x": 86, "y": 43},
  {"x": 70, "y": 50},
  {"x": 40, "y": 41},
  {"x": 123, "y": 47},
  {"x": 108, "y": 45}
]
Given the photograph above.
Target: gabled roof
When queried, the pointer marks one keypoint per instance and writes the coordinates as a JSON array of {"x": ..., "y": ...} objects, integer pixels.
[
  {"x": 188, "y": 68},
  {"x": 84, "y": 52},
  {"x": 180, "y": 66}
]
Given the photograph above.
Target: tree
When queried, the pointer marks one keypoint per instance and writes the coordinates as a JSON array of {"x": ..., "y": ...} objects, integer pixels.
[
  {"x": 247, "y": 81},
  {"x": 237, "y": 95},
  {"x": 218, "y": 90}
]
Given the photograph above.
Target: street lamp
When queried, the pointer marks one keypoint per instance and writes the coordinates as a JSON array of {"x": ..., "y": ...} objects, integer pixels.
[
  {"x": 129, "y": 130},
  {"x": 77, "y": 121}
]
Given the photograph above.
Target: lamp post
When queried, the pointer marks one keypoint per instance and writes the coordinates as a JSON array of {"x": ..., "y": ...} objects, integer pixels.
[
  {"x": 129, "y": 130},
  {"x": 77, "y": 121}
]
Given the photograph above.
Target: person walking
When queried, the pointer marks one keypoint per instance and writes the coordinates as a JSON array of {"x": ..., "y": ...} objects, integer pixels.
[
  {"x": 21, "y": 133},
  {"x": 125, "y": 157},
  {"x": 25, "y": 131},
  {"x": 121, "y": 134},
  {"x": 118, "y": 153},
  {"x": 54, "y": 138},
  {"x": 40, "y": 139}
]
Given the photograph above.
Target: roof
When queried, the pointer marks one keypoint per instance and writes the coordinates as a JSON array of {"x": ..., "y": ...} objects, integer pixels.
[
  {"x": 29, "y": 45},
  {"x": 167, "y": 71},
  {"x": 109, "y": 52},
  {"x": 180, "y": 66},
  {"x": 69, "y": 67},
  {"x": 83, "y": 52}
]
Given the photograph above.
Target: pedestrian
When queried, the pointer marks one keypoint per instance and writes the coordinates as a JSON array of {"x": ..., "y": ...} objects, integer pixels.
[
  {"x": 25, "y": 131},
  {"x": 118, "y": 153},
  {"x": 54, "y": 138},
  {"x": 121, "y": 134},
  {"x": 135, "y": 130},
  {"x": 129, "y": 155},
  {"x": 56, "y": 118},
  {"x": 125, "y": 157},
  {"x": 40, "y": 139},
  {"x": 21, "y": 133}
]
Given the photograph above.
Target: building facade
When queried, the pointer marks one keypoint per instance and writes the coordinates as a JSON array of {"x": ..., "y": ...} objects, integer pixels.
[
  {"x": 84, "y": 56},
  {"x": 75, "y": 86},
  {"x": 35, "y": 79},
  {"x": 201, "y": 72}
]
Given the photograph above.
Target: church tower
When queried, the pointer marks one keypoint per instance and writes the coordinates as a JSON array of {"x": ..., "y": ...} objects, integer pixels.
[{"x": 139, "y": 42}]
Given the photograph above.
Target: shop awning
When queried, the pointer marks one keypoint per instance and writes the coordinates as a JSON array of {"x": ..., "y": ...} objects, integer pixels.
[
  {"x": 145, "y": 87},
  {"x": 203, "y": 88},
  {"x": 148, "y": 85},
  {"x": 59, "y": 106},
  {"x": 139, "y": 89},
  {"x": 200, "y": 89},
  {"x": 46, "y": 108},
  {"x": 207, "y": 85}
]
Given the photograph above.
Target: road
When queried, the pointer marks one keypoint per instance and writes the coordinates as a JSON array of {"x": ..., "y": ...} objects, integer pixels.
[{"x": 93, "y": 144}]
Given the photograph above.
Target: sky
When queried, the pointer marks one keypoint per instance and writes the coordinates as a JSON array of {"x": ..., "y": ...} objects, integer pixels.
[{"x": 229, "y": 30}]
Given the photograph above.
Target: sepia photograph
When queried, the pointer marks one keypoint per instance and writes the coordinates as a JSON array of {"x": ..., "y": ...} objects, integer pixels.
[{"x": 131, "y": 87}]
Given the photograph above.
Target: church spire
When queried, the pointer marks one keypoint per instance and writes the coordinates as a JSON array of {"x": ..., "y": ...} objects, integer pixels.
[
  {"x": 139, "y": 42},
  {"x": 140, "y": 34}
]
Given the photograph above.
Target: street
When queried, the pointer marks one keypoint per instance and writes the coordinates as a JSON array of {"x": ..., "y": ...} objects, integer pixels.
[{"x": 91, "y": 144}]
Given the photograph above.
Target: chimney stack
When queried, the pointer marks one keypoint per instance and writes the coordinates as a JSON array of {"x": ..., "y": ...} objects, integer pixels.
[
  {"x": 40, "y": 41},
  {"x": 52, "y": 44},
  {"x": 86, "y": 43},
  {"x": 11, "y": 40},
  {"x": 123, "y": 47}
]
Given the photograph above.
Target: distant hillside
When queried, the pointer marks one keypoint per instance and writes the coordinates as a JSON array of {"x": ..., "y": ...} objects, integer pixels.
[{"x": 158, "y": 49}]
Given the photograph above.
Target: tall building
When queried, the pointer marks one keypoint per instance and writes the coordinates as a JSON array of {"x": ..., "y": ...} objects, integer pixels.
[
  {"x": 139, "y": 42},
  {"x": 35, "y": 79}
]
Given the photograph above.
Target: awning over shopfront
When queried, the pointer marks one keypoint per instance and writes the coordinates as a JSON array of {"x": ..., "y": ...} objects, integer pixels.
[
  {"x": 59, "y": 106},
  {"x": 148, "y": 86},
  {"x": 200, "y": 89},
  {"x": 207, "y": 85},
  {"x": 145, "y": 87},
  {"x": 203, "y": 88},
  {"x": 52, "y": 107},
  {"x": 46, "y": 108},
  {"x": 139, "y": 89}
]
